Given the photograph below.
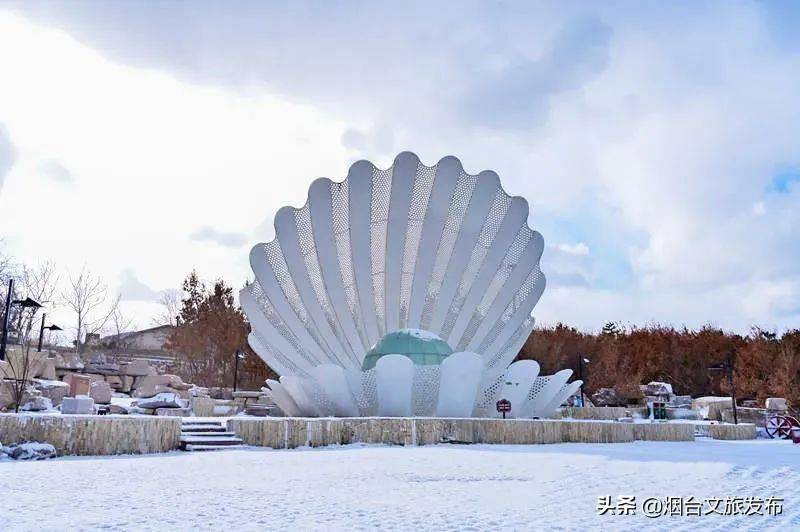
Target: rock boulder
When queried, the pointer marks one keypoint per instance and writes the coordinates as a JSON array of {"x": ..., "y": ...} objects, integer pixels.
[
  {"x": 52, "y": 389},
  {"x": 162, "y": 400},
  {"x": 656, "y": 388},
  {"x": 100, "y": 391},
  {"x": 607, "y": 397},
  {"x": 37, "y": 404},
  {"x": 81, "y": 404},
  {"x": 776, "y": 403},
  {"x": 31, "y": 451}
]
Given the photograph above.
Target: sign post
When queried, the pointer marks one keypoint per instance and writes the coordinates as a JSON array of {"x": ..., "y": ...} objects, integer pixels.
[{"x": 503, "y": 406}]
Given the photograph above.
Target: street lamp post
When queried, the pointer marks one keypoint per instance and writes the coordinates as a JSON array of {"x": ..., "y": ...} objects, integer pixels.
[
  {"x": 239, "y": 355},
  {"x": 5, "y": 319},
  {"x": 729, "y": 367},
  {"x": 582, "y": 361},
  {"x": 49, "y": 327},
  {"x": 23, "y": 304}
]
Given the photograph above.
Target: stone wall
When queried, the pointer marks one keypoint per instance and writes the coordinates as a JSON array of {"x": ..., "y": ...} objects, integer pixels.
[
  {"x": 663, "y": 431},
  {"x": 600, "y": 412},
  {"x": 93, "y": 435},
  {"x": 283, "y": 433},
  {"x": 744, "y": 431}
]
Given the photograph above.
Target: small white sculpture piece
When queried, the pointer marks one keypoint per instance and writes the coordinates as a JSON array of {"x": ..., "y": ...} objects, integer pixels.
[
  {"x": 430, "y": 259},
  {"x": 461, "y": 377}
]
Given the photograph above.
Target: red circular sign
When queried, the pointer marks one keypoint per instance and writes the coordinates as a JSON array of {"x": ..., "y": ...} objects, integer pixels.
[{"x": 504, "y": 405}]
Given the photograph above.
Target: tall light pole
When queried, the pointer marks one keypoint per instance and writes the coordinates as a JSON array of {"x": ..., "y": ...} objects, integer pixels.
[
  {"x": 582, "y": 361},
  {"x": 5, "y": 319},
  {"x": 23, "y": 304},
  {"x": 239, "y": 355},
  {"x": 49, "y": 327},
  {"x": 729, "y": 367}
]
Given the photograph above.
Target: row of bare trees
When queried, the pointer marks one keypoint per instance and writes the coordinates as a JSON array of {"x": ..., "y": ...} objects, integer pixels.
[
  {"x": 767, "y": 364},
  {"x": 92, "y": 307}
]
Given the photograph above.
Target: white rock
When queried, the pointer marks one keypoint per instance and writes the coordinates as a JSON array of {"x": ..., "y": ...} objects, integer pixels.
[
  {"x": 776, "y": 403},
  {"x": 52, "y": 389},
  {"x": 37, "y": 404},
  {"x": 81, "y": 404},
  {"x": 162, "y": 400},
  {"x": 704, "y": 402}
]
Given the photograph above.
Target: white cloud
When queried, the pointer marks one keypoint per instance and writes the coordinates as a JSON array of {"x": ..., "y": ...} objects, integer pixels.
[
  {"x": 132, "y": 289},
  {"x": 578, "y": 248},
  {"x": 56, "y": 171},
  {"x": 645, "y": 144},
  {"x": 222, "y": 238},
  {"x": 7, "y": 155},
  {"x": 156, "y": 158}
]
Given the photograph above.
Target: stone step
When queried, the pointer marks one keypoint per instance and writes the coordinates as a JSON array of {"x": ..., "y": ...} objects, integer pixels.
[
  {"x": 224, "y": 440},
  {"x": 203, "y": 428},
  {"x": 194, "y": 447},
  {"x": 202, "y": 434},
  {"x": 215, "y": 423}
]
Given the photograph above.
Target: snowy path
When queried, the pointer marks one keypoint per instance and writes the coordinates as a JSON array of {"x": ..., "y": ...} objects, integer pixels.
[{"x": 438, "y": 487}]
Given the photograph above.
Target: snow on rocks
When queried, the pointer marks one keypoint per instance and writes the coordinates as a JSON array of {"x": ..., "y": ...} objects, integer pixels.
[
  {"x": 54, "y": 390},
  {"x": 30, "y": 451},
  {"x": 607, "y": 397},
  {"x": 698, "y": 403},
  {"x": 37, "y": 404},
  {"x": 776, "y": 403},
  {"x": 656, "y": 388},
  {"x": 162, "y": 400}
]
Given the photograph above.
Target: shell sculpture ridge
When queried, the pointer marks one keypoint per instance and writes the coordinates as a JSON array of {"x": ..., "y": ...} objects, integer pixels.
[{"x": 402, "y": 292}]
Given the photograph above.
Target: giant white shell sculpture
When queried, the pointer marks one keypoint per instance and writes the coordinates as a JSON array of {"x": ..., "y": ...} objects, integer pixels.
[{"x": 416, "y": 254}]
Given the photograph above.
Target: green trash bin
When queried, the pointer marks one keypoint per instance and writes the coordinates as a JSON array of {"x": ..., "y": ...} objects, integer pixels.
[{"x": 659, "y": 410}]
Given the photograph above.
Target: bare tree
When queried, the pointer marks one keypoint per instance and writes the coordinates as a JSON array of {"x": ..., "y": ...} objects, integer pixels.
[
  {"x": 170, "y": 309},
  {"x": 120, "y": 324},
  {"x": 39, "y": 282},
  {"x": 88, "y": 298},
  {"x": 8, "y": 269},
  {"x": 20, "y": 367}
]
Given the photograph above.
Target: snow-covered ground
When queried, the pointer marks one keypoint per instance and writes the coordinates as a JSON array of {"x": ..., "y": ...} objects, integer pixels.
[{"x": 448, "y": 487}]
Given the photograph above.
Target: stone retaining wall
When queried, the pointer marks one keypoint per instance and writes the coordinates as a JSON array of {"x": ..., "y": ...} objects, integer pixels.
[
  {"x": 599, "y": 412},
  {"x": 744, "y": 431},
  {"x": 289, "y": 433},
  {"x": 93, "y": 435},
  {"x": 663, "y": 431}
]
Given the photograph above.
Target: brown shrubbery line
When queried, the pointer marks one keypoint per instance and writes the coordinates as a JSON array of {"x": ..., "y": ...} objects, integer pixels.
[{"x": 767, "y": 365}]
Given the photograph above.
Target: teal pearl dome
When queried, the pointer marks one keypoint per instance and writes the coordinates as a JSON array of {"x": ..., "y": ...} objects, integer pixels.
[{"x": 424, "y": 348}]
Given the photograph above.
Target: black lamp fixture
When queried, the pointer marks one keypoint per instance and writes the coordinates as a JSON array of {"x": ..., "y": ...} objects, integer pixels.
[
  {"x": 582, "y": 361},
  {"x": 27, "y": 303},
  {"x": 238, "y": 355},
  {"x": 728, "y": 366},
  {"x": 22, "y": 303},
  {"x": 49, "y": 327}
]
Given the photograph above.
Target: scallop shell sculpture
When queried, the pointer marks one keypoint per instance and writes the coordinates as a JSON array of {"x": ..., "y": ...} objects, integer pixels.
[{"x": 431, "y": 271}]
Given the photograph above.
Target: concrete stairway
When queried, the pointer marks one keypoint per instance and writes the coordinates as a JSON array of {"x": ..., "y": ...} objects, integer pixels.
[{"x": 207, "y": 436}]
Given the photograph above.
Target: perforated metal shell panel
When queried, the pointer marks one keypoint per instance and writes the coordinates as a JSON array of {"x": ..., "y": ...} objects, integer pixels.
[{"x": 433, "y": 247}]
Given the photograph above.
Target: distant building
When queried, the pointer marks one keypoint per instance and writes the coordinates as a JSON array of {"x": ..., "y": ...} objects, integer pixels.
[
  {"x": 147, "y": 344},
  {"x": 152, "y": 339}
]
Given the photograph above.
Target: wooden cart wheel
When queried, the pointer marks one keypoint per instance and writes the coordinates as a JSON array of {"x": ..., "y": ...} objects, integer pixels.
[{"x": 780, "y": 426}]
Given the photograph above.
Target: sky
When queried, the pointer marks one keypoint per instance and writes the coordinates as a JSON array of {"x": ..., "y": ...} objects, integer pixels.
[{"x": 658, "y": 144}]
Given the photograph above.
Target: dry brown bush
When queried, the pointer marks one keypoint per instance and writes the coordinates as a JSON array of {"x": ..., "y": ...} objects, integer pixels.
[{"x": 767, "y": 365}]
